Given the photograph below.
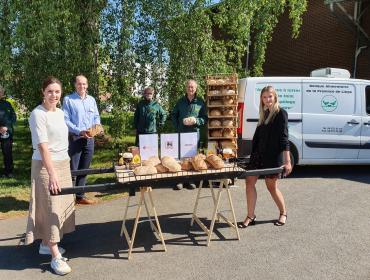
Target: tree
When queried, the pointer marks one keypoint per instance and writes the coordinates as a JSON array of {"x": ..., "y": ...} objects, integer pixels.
[{"x": 125, "y": 45}]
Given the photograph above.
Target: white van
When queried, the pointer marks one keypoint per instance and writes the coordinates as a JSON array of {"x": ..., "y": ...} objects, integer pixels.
[{"x": 329, "y": 118}]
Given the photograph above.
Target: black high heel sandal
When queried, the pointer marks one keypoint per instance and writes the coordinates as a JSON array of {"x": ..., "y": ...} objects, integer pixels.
[
  {"x": 251, "y": 223},
  {"x": 278, "y": 222}
]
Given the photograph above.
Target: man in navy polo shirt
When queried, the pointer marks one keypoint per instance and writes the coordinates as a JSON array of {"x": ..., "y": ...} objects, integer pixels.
[{"x": 80, "y": 113}]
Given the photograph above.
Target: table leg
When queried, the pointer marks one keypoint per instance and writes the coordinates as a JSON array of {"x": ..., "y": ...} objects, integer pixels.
[{"x": 196, "y": 203}]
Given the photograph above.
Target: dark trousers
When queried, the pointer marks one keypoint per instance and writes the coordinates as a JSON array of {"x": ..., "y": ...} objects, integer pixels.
[
  {"x": 7, "y": 150},
  {"x": 81, "y": 152}
]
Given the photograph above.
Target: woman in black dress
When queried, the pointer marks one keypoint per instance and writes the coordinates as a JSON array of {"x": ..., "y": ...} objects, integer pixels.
[{"x": 270, "y": 148}]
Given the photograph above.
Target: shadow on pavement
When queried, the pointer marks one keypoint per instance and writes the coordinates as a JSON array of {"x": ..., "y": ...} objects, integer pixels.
[{"x": 102, "y": 240}]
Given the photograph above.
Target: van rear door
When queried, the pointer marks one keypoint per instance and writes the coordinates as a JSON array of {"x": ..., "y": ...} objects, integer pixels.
[
  {"x": 365, "y": 130},
  {"x": 331, "y": 120}
]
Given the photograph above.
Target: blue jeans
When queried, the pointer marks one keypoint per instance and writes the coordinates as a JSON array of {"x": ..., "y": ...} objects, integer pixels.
[{"x": 81, "y": 152}]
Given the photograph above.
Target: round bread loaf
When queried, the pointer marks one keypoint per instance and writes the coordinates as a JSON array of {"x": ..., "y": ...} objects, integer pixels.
[
  {"x": 160, "y": 168},
  {"x": 215, "y": 112},
  {"x": 186, "y": 165},
  {"x": 227, "y": 123},
  {"x": 145, "y": 170},
  {"x": 215, "y": 123},
  {"x": 228, "y": 133},
  {"x": 228, "y": 112},
  {"x": 216, "y": 133},
  {"x": 228, "y": 100},
  {"x": 199, "y": 163},
  {"x": 171, "y": 164},
  {"x": 215, "y": 162}
]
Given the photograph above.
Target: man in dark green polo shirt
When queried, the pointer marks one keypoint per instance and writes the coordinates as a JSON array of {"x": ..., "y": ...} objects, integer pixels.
[
  {"x": 149, "y": 115},
  {"x": 7, "y": 120},
  {"x": 189, "y": 115}
]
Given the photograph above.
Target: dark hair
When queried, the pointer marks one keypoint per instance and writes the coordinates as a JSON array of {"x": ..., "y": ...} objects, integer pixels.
[{"x": 50, "y": 80}]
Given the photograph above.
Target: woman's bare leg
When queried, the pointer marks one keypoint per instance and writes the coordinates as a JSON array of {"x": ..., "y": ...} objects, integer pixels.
[
  {"x": 251, "y": 194},
  {"x": 277, "y": 196}
]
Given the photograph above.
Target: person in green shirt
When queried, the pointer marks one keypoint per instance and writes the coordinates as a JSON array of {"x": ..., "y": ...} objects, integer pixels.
[
  {"x": 149, "y": 115},
  {"x": 7, "y": 120},
  {"x": 189, "y": 115}
]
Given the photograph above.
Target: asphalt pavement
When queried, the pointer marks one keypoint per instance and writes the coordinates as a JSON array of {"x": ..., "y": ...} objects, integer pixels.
[{"x": 327, "y": 236}]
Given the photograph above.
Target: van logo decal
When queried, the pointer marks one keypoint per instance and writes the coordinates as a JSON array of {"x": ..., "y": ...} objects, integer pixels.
[{"x": 329, "y": 103}]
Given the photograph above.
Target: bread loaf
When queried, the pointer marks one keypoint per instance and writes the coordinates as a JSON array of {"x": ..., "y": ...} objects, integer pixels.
[
  {"x": 227, "y": 123},
  {"x": 228, "y": 100},
  {"x": 145, "y": 170},
  {"x": 215, "y": 102},
  {"x": 147, "y": 163},
  {"x": 186, "y": 165},
  {"x": 216, "y": 133},
  {"x": 215, "y": 112},
  {"x": 171, "y": 164},
  {"x": 230, "y": 91},
  {"x": 161, "y": 169},
  {"x": 215, "y": 162},
  {"x": 94, "y": 130},
  {"x": 228, "y": 132},
  {"x": 215, "y": 123},
  {"x": 214, "y": 92},
  {"x": 228, "y": 112},
  {"x": 199, "y": 163},
  {"x": 152, "y": 161},
  {"x": 228, "y": 144}
]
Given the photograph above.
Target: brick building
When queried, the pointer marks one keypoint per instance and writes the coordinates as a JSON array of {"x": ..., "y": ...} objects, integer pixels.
[{"x": 327, "y": 39}]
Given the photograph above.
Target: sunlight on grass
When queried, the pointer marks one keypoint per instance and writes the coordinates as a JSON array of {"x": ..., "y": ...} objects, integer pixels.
[{"x": 15, "y": 192}]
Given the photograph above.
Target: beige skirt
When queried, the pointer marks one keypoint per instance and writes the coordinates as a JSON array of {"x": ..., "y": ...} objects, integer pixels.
[{"x": 50, "y": 216}]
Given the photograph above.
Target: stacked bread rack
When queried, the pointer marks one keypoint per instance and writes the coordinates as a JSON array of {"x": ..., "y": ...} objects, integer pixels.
[{"x": 222, "y": 104}]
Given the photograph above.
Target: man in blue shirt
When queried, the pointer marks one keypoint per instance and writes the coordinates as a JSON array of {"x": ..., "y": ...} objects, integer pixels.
[{"x": 80, "y": 113}]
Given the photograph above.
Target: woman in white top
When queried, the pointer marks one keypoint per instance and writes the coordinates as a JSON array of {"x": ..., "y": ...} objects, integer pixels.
[{"x": 50, "y": 216}]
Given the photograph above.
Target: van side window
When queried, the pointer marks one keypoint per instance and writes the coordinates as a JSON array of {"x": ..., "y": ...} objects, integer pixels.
[{"x": 367, "y": 97}]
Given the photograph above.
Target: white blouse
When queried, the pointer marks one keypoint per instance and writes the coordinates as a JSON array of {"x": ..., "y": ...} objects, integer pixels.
[{"x": 49, "y": 127}]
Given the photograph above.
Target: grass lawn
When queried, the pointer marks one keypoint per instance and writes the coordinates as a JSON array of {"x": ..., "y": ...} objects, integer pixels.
[{"x": 15, "y": 192}]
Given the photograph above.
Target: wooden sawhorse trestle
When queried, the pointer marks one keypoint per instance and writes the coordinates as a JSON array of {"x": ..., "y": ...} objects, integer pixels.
[
  {"x": 142, "y": 200},
  {"x": 224, "y": 186}
]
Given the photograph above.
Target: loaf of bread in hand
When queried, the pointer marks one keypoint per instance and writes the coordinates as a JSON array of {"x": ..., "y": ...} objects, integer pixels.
[
  {"x": 145, "y": 170},
  {"x": 199, "y": 163},
  {"x": 94, "y": 130},
  {"x": 215, "y": 162}
]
